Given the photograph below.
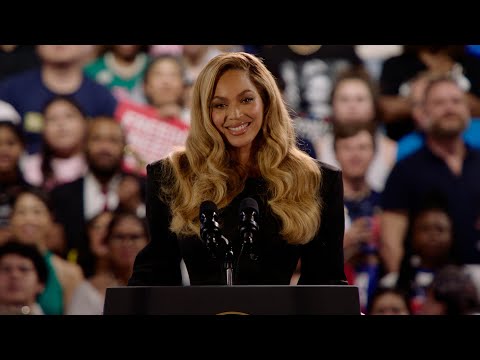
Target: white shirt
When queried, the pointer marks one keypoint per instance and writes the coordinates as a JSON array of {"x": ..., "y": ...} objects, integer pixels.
[
  {"x": 94, "y": 199},
  {"x": 86, "y": 300}
]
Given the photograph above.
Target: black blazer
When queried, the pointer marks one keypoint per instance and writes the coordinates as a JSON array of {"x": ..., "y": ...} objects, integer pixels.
[
  {"x": 68, "y": 206},
  {"x": 321, "y": 259},
  {"x": 67, "y": 201}
]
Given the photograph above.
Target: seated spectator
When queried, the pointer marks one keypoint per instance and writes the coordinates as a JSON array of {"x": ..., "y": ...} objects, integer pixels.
[
  {"x": 23, "y": 275},
  {"x": 397, "y": 71},
  {"x": 415, "y": 139},
  {"x": 120, "y": 69},
  {"x": 62, "y": 158},
  {"x": 309, "y": 72},
  {"x": 31, "y": 223},
  {"x": 97, "y": 190},
  {"x": 164, "y": 86},
  {"x": 389, "y": 301},
  {"x": 431, "y": 249},
  {"x": 60, "y": 73},
  {"x": 445, "y": 165},
  {"x": 354, "y": 149},
  {"x": 154, "y": 129},
  {"x": 12, "y": 179},
  {"x": 452, "y": 292},
  {"x": 354, "y": 101},
  {"x": 126, "y": 236}
]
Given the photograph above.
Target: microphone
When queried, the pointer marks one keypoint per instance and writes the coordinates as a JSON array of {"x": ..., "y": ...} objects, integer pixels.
[
  {"x": 248, "y": 226},
  {"x": 210, "y": 228}
]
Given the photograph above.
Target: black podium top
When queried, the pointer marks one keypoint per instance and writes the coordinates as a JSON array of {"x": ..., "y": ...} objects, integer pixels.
[{"x": 238, "y": 299}]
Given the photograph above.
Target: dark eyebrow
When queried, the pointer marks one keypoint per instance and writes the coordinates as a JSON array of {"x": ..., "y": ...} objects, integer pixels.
[{"x": 239, "y": 95}]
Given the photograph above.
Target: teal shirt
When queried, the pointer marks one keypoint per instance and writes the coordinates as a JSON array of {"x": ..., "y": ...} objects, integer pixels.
[
  {"x": 51, "y": 299},
  {"x": 100, "y": 71}
]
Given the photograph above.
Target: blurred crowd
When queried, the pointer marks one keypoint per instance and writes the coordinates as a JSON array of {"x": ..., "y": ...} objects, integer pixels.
[{"x": 78, "y": 124}]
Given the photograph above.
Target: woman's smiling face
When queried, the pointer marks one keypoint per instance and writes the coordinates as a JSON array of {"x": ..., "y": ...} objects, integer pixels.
[{"x": 237, "y": 109}]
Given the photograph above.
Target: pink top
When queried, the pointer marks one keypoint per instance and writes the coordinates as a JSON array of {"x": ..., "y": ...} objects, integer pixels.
[{"x": 64, "y": 170}]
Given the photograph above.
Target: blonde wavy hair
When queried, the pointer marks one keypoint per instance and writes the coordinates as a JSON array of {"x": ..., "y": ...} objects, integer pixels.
[{"x": 205, "y": 169}]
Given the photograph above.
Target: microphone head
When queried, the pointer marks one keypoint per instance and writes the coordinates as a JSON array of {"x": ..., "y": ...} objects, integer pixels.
[
  {"x": 208, "y": 217},
  {"x": 248, "y": 203},
  {"x": 208, "y": 206},
  {"x": 210, "y": 228},
  {"x": 248, "y": 226}
]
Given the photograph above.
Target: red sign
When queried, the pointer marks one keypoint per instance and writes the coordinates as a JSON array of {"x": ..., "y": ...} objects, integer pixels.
[{"x": 149, "y": 137}]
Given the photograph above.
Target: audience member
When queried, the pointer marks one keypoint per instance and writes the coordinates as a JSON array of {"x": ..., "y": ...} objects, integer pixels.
[
  {"x": 120, "y": 68},
  {"x": 398, "y": 70},
  {"x": 126, "y": 236},
  {"x": 62, "y": 158},
  {"x": 415, "y": 139},
  {"x": 354, "y": 148},
  {"x": 389, "y": 301},
  {"x": 23, "y": 275},
  {"x": 445, "y": 165},
  {"x": 60, "y": 73},
  {"x": 431, "y": 244},
  {"x": 96, "y": 191},
  {"x": 452, "y": 292},
  {"x": 12, "y": 179},
  {"x": 31, "y": 223},
  {"x": 309, "y": 72},
  {"x": 354, "y": 101}
]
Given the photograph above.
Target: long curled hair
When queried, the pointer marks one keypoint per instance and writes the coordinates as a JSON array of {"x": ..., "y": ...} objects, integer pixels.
[{"x": 206, "y": 170}]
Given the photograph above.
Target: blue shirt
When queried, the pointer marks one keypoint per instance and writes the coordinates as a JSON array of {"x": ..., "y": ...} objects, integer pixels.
[
  {"x": 27, "y": 93},
  {"x": 368, "y": 206},
  {"x": 413, "y": 141}
]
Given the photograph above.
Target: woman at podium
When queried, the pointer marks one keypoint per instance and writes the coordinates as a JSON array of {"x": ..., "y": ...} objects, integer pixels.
[{"x": 241, "y": 145}]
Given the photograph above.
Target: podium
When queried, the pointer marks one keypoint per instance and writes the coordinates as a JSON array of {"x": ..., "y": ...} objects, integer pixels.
[{"x": 233, "y": 300}]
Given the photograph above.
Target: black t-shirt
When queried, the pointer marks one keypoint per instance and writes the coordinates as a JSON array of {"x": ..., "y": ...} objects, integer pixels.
[
  {"x": 22, "y": 58},
  {"x": 400, "y": 69},
  {"x": 422, "y": 175},
  {"x": 308, "y": 79}
]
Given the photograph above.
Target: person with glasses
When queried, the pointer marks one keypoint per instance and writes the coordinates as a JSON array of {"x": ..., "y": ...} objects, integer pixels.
[{"x": 126, "y": 236}]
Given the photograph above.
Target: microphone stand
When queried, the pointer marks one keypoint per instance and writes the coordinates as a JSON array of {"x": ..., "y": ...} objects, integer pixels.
[{"x": 228, "y": 262}]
